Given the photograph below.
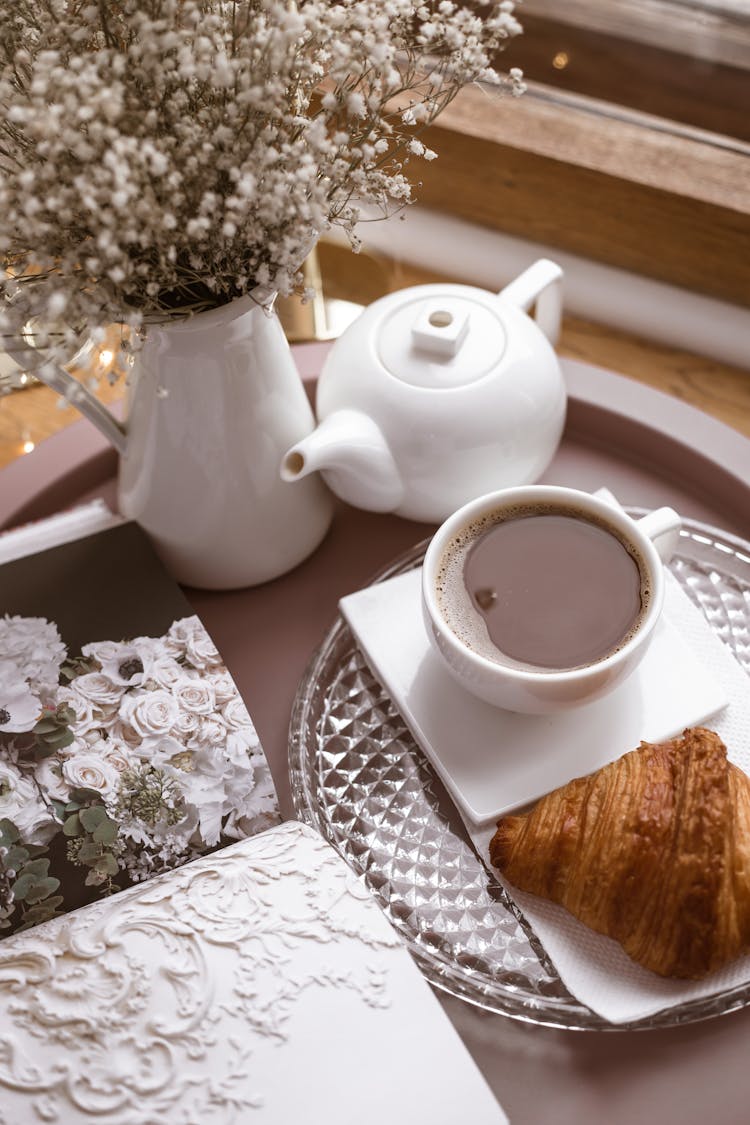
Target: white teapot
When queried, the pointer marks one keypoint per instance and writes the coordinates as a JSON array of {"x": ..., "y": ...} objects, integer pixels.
[{"x": 437, "y": 394}]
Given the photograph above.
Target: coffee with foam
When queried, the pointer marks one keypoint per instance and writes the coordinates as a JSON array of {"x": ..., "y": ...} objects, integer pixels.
[{"x": 543, "y": 587}]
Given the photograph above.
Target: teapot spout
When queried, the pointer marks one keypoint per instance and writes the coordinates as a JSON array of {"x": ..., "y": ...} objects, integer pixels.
[{"x": 352, "y": 455}]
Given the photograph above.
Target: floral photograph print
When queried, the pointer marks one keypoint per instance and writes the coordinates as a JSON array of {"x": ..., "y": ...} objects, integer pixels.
[{"x": 117, "y": 762}]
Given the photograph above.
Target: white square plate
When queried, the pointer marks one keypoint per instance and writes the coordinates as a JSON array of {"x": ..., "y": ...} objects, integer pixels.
[{"x": 493, "y": 761}]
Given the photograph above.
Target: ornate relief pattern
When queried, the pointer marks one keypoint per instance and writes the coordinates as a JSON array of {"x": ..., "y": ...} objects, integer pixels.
[{"x": 154, "y": 1006}]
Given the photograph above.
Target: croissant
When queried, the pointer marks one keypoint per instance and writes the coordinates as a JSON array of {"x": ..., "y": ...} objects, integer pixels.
[{"x": 652, "y": 850}]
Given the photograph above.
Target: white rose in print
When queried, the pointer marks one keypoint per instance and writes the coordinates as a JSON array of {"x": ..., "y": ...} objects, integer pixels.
[
  {"x": 189, "y": 639},
  {"x": 224, "y": 687},
  {"x": 91, "y": 771},
  {"x": 234, "y": 714},
  {"x": 99, "y": 690},
  {"x": 194, "y": 695},
  {"x": 164, "y": 671},
  {"x": 88, "y": 717},
  {"x": 212, "y": 732},
  {"x": 122, "y": 732},
  {"x": 159, "y": 750},
  {"x": 150, "y": 712},
  {"x": 187, "y": 726},
  {"x": 49, "y": 779},
  {"x": 117, "y": 753}
]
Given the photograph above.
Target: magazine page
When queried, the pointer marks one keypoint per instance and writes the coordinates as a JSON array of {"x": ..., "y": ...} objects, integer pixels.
[{"x": 125, "y": 747}]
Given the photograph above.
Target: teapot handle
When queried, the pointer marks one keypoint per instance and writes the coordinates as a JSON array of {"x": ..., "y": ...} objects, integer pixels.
[{"x": 540, "y": 284}]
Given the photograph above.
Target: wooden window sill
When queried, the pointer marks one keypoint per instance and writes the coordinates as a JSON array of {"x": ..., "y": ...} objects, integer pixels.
[{"x": 623, "y": 189}]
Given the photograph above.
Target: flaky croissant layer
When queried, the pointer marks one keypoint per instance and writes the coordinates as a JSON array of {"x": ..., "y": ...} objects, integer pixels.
[{"x": 652, "y": 850}]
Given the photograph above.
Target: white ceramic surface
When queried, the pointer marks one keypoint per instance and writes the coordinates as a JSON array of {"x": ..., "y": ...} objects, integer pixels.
[
  {"x": 439, "y": 393},
  {"x": 215, "y": 401},
  {"x": 527, "y": 690}
]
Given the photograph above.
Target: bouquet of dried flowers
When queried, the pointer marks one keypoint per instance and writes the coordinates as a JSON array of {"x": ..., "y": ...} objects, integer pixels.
[{"x": 161, "y": 157}]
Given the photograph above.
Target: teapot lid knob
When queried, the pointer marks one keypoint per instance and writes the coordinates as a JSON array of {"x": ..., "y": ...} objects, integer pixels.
[
  {"x": 438, "y": 339},
  {"x": 440, "y": 329}
]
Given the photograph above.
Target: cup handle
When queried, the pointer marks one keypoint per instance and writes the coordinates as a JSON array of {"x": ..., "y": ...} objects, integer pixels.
[{"x": 662, "y": 527}]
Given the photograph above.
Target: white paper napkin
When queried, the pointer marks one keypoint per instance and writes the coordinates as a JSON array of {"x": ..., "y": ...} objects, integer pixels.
[{"x": 685, "y": 679}]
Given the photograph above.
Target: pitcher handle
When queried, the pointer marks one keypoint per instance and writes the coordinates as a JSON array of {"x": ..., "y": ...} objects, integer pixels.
[
  {"x": 540, "y": 284},
  {"x": 75, "y": 393}
]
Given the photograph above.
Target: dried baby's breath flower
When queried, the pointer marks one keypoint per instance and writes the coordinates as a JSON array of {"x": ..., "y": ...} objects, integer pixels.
[{"x": 161, "y": 157}]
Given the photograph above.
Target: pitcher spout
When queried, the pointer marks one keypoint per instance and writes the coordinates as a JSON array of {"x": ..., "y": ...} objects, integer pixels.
[{"x": 352, "y": 455}]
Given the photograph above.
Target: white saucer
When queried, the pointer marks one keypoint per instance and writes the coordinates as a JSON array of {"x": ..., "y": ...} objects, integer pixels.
[{"x": 493, "y": 761}]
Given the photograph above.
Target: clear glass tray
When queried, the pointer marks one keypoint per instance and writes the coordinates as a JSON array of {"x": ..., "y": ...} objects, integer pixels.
[{"x": 359, "y": 778}]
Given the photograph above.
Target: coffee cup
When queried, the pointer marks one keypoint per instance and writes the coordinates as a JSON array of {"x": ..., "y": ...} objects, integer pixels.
[{"x": 542, "y": 598}]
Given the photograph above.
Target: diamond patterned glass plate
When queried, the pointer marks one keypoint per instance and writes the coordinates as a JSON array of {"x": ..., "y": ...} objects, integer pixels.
[{"x": 359, "y": 778}]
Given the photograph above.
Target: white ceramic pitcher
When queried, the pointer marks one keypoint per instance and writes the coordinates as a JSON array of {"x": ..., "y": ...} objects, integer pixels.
[{"x": 214, "y": 402}]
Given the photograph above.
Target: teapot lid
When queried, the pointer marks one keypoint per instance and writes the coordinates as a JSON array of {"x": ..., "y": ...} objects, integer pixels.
[{"x": 440, "y": 341}]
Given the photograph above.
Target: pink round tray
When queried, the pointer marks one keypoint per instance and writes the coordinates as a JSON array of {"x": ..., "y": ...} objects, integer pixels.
[{"x": 649, "y": 449}]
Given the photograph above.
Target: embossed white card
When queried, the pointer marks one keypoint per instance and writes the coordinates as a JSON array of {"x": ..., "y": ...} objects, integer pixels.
[
  {"x": 493, "y": 761},
  {"x": 261, "y": 984}
]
